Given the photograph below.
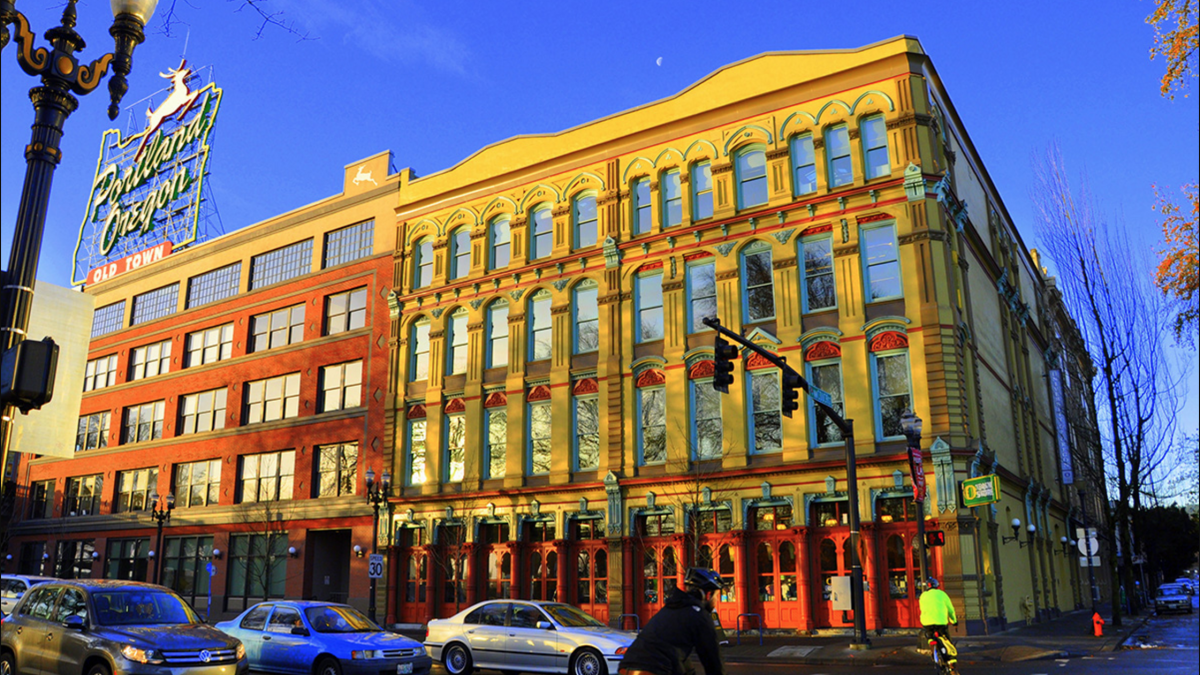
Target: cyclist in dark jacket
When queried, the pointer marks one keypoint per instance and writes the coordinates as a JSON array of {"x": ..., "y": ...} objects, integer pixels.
[{"x": 683, "y": 624}]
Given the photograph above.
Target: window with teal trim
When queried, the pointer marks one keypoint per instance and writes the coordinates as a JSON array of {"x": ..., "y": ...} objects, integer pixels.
[
  {"x": 817, "y": 288},
  {"x": 586, "y": 426},
  {"x": 495, "y": 449},
  {"x": 649, "y": 304},
  {"x": 497, "y": 334},
  {"x": 702, "y": 293},
  {"x": 825, "y": 375},
  {"x": 750, "y": 167},
  {"x": 642, "y": 218},
  {"x": 758, "y": 294},
  {"x": 500, "y": 243},
  {"x": 420, "y": 351},
  {"x": 652, "y": 425},
  {"x": 766, "y": 424},
  {"x": 541, "y": 327},
  {"x": 881, "y": 263},
  {"x": 416, "y": 452},
  {"x": 456, "y": 345},
  {"x": 539, "y": 438},
  {"x": 541, "y": 236},
  {"x": 456, "y": 447},
  {"x": 460, "y": 253},
  {"x": 672, "y": 198},
  {"x": 586, "y": 221},
  {"x": 837, "y": 148},
  {"x": 707, "y": 429},
  {"x": 702, "y": 195},
  {"x": 587, "y": 318},
  {"x": 875, "y": 149},
  {"x": 423, "y": 265},
  {"x": 893, "y": 391},
  {"x": 804, "y": 165}
]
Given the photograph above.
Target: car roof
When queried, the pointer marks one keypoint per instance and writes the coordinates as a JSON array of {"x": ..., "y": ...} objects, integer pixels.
[
  {"x": 29, "y": 577},
  {"x": 110, "y": 585},
  {"x": 305, "y": 604}
]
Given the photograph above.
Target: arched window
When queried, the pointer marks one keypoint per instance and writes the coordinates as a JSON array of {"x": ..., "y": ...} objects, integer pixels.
[
  {"x": 586, "y": 224},
  {"x": 497, "y": 334},
  {"x": 541, "y": 343},
  {"x": 587, "y": 317},
  {"x": 423, "y": 264},
  {"x": 500, "y": 243},
  {"x": 541, "y": 235},
  {"x": 804, "y": 165},
  {"x": 456, "y": 346},
  {"x": 826, "y": 374},
  {"x": 751, "y": 175},
  {"x": 460, "y": 253}
]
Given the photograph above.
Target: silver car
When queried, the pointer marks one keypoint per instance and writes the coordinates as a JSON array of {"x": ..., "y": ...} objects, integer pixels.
[
  {"x": 1172, "y": 598},
  {"x": 13, "y": 586},
  {"x": 518, "y": 636}
]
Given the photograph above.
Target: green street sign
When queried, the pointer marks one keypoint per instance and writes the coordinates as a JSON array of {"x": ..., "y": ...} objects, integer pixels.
[{"x": 981, "y": 490}]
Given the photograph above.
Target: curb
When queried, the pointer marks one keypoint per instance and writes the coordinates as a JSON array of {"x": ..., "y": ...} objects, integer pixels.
[{"x": 1122, "y": 644}]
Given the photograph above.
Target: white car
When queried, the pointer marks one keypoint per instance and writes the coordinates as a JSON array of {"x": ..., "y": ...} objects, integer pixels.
[
  {"x": 520, "y": 636},
  {"x": 14, "y": 586},
  {"x": 1172, "y": 598}
]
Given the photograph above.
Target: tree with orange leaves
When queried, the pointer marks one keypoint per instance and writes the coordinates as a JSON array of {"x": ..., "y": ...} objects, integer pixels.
[
  {"x": 1178, "y": 272},
  {"x": 1175, "y": 39}
]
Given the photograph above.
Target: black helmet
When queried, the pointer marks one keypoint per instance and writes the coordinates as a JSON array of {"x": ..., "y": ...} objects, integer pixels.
[
  {"x": 703, "y": 578},
  {"x": 933, "y": 583}
]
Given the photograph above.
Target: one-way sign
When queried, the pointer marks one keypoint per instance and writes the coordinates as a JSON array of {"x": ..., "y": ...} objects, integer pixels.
[{"x": 820, "y": 396}]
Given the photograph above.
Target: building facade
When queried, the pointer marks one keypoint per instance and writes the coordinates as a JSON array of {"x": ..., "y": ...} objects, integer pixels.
[
  {"x": 555, "y": 429},
  {"x": 244, "y": 377}
]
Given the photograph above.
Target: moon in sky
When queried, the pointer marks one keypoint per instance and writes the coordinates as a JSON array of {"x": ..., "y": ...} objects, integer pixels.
[{"x": 659, "y": 61}]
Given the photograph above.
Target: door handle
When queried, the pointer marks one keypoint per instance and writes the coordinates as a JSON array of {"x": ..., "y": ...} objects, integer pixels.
[
  {"x": 470, "y": 632},
  {"x": 266, "y": 638},
  {"x": 49, "y": 637}
]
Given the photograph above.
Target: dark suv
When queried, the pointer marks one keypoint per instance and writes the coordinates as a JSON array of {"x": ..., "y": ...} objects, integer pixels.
[{"x": 103, "y": 627}]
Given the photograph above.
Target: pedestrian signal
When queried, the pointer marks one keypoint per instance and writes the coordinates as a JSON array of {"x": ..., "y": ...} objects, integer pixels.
[{"x": 935, "y": 538}]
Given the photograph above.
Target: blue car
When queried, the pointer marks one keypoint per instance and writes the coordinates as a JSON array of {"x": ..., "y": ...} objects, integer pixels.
[{"x": 294, "y": 636}]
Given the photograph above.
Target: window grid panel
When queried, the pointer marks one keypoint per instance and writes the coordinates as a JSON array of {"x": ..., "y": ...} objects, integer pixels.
[
  {"x": 267, "y": 477},
  {"x": 702, "y": 194},
  {"x": 837, "y": 147},
  {"x": 337, "y": 470},
  {"x": 150, "y": 360},
  {"x": 541, "y": 344},
  {"x": 420, "y": 362},
  {"x": 108, "y": 319},
  {"x": 154, "y": 304},
  {"x": 497, "y": 443},
  {"x": 341, "y": 386},
  {"x": 209, "y": 345},
  {"x": 348, "y": 244},
  {"x": 752, "y": 178},
  {"x": 768, "y": 429},
  {"x": 83, "y": 495},
  {"x": 652, "y": 427},
  {"x": 281, "y": 264},
  {"x": 345, "y": 311},
  {"x": 272, "y": 399},
  {"x": 587, "y": 319},
  {"x": 143, "y": 422},
  {"x": 501, "y": 243},
  {"x": 702, "y": 289},
  {"x": 134, "y": 489},
  {"x": 882, "y": 263},
  {"x": 198, "y": 483},
  {"x": 416, "y": 452},
  {"x": 277, "y": 329},
  {"x": 804, "y": 163},
  {"x": 93, "y": 431},
  {"x": 456, "y": 443},
  {"x": 497, "y": 355},
  {"x": 456, "y": 345},
  {"x": 202, "y": 412},
  {"x": 541, "y": 240},
  {"x": 586, "y": 221},
  {"x": 100, "y": 373},
  {"x": 539, "y": 438},
  {"x": 707, "y": 434},
  {"x": 587, "y": 433},
  {"x": 213, "y": 286},
  {"x": 641, "y": 206},
  {"x": 874, "y": 135},
  {"x": 672, "y": 199},
  {"x": 759, "y": 283},
  {"x": 460, "y": 253},
  {"x": 423, "y": 270},
  {"x": 819, "y": 291},
  {"x": 650, "y": 308}
]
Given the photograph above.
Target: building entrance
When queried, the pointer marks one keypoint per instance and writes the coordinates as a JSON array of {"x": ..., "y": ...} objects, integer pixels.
[{"x": 329, "y": 577}]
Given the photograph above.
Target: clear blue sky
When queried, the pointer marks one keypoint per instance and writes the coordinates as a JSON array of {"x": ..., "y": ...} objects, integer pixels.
[{"x": 434, "y": 82}]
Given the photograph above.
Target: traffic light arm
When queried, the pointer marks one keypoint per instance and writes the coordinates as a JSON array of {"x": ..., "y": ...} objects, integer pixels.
[{"x": 832, "y": 413}]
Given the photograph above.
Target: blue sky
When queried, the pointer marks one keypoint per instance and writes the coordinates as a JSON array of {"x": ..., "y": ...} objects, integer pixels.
[{"x": 434, "y": 82}]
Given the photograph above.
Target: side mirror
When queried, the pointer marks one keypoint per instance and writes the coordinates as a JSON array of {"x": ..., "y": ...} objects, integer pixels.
[
  {"x": 301, "y": 631},
  {"x": 74, "y": 622},
  {"x": 545, "y": 625}
]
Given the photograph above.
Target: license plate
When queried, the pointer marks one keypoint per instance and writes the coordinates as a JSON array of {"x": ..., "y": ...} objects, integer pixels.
[{"x": 404, "y": 669}]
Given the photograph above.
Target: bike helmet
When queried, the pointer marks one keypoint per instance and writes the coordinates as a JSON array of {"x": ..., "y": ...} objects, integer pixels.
[
  {"x": 933, "y": 583},
  {"x": 703, "y": 578}
]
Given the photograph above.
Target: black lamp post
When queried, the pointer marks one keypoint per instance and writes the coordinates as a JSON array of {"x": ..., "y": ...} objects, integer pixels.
[
  {"x": 160, "y": 509},
  {"x": 911, "y": 424},
  {"x": 61, "y": 75},
  {"x": 1088, "y": 548},
  {"x": 377, "y": 494}
]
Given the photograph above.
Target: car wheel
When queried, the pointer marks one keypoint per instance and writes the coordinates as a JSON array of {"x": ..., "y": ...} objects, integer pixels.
[
  {"x": 8, "y": 664},
  {"x": 457, "y": 659},
  {"x": 329, "y": 666},
  {"x": 99, "y": 669},
  {"x": 588, "y": 662}
]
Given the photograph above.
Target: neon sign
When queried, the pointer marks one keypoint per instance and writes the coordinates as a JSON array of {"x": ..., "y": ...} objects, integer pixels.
[{"x": 147, "y": 194}]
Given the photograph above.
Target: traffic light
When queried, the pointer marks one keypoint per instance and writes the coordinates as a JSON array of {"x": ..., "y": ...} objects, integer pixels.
[
  {"x": 725, "y": 354},
  {"x": 791, "y": 397},
  {"x": 935, "y": 538}
]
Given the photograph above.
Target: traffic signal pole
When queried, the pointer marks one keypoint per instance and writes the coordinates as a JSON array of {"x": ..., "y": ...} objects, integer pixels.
[{"x": 791, "y": 379}]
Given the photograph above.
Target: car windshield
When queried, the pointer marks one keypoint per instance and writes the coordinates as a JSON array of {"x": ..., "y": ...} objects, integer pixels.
[
  {"x": 334, "y": 619},
  {"x": 572, "y": 617},
  {"x": 1171, "y": 589},
  {"x": 141, "y": 608}
]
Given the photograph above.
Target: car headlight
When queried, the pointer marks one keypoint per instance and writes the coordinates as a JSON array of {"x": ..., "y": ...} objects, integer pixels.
[
  {"x": 140, "y": 655},
  {"x": 366, "y": 654},
  {"x": 421, "y": 650},
  {"x": 241, "y": 651}
]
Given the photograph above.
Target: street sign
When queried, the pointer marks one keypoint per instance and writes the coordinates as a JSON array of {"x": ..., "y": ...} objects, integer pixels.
[
  {"x": 375, "y": 566},
  {"x": 980, "y": 491},
  {"x": 1088, "y": 546},
  {"x": 1095, "y": 561},
  {"x": 820, "y": 396}
]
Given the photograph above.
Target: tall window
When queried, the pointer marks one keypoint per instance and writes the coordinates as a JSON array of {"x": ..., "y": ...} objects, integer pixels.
[
  {"x": 496, "y": 450},
  {"x": 272, "y": 399},
  {"x": 672, "y": 198},
  {"x": 586, "y": 424},
  {"x": 456, "y": 447},
  {"x": 818, "y": 289},
  {"x": 154, "y": 304},
  {"x": 267, "y": 477},
  {"x": 539, "y": 438},
  {"x": 281, "y": 264},
  {"x": 143, "y": 422},
  {"x": 892, "y": 390},
  {"x": 497, "y": 335},
  {"x": 108, "y": 318},
  {"x": 128, "y": 559},
  {"x": 150, "y": 360},
  {"x": 652, "y": 424},
  {"x": 881, "y": 263},
  {"x": 642, "y": 206},
  {"x": 767, "y": 425},
  {"x": 209, "y": 345},
  {"x": 92, "y": 432},
  {"x": 875, "y": 149},
  {"x": 416, "y": 452},
  {"x": 587, "y": 318},
  {"x": 420, "y": 351},
  {"x": 134, "y": 489},
  {"x": 776, "y": 517},
  {"x": 198, "y": 483},
  {"x": 41, "y": 501},
  {"x": 257, "y": 566},
  {"x": 702, "y": 196},
  {"x": 837, "y": 148},
  {"x": 185, "y": 565},
  {"x": 456, "y": 347},
  {"x": 541, "y": 237},
  {"x": 215, "y": 285},
  {"x": 337, "y": 469},
  {"x": 702, "y": 293},
  {"x": 826, "y": 375},
  {"x": 759, "y": 293},
  {"x": 341, "y": 386},
  {"x": 649, "y": 301},
  {"x": 751, "y": 168},
  {"x": 460, "y": 253},
  {"x": 804, "y": 165},
  {"x": 276, "y": 329},
  {"x": 348, "y": 244},
  {"x": 707, "y": 430},
  {"x": 83, "y": 495},
  {"x": 423, "y": 265},
  {"x": 100, "y": 373},
  {"x": 541, "y": 343},
  {"x": 74, "y": 560},
  {"x": 500, "y": 239},
  {"x": 346, "y": 311},
  {"x": 202, "y": 412},
  {"x": 586, "y": 221}
]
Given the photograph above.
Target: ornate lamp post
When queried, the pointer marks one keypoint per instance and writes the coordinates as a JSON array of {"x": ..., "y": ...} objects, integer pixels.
[
  {"x": 160, "y": 509},
  {"x": 377, "y": 495},
  {"x": 911, "y": 424},
  {"x": 61, "y": 75}
]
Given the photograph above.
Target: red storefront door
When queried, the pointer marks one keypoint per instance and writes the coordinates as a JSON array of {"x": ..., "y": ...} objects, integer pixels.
[
  {"x": 414, "y": 582},
  {"x": 588, "y": 567},
  {"x": 832, "y": 559},
  {"x": 776, "y": 596},
  {"x": 901, "y": 568},
  {"x": 725, "y": 564},
  {"x": 660, "y": 571}
]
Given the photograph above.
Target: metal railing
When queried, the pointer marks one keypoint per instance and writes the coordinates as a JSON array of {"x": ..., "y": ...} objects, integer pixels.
[
  {"x": 739, "y": 626},
  {"x": 619, "y": 624}
]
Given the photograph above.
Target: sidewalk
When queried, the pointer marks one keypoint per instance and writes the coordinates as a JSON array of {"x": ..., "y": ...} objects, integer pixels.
[{"x": 1066, "y": 637}]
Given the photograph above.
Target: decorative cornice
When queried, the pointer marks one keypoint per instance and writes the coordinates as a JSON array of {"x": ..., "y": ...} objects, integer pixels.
[
  {"x": 889, "y": 340},
  {"x": 816, "y": 229},
  {"x": 757, "y": 361},
  {"x": 702, "y": 369},
  {"x": 496, "y": 399},
  {"x": 784, "y": 263},
  {"x": 539, "y": 393},
  {"x": 416, "y": 412},
  {"x": 456, "y": 405},
  {"x": 727, "y": 274},
  {"x": 823, "y": 350},
  {"x": 778, "y": 152},
  {"x": 650, "y": 378},
  {"x": 587, "y": 385}
]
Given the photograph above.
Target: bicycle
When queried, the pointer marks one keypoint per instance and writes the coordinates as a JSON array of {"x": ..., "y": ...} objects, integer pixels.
[{"x": 944, "y": 653}]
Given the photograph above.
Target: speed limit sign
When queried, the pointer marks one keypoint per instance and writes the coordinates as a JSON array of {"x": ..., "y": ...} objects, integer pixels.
[{"x": 375, "y": 566}]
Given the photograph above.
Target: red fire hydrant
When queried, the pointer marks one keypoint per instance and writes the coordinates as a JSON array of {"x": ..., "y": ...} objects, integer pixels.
[{"x": 1097, "y": 625}]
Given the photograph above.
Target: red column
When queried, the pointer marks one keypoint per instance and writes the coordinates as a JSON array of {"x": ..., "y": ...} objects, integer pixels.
[
  {"x": 431, "y": 578},
  {"x": 514, "y": 588},
  {"x": 740, "y": 588},
  {"x": 470, "y": 573},
  {"x": 393, "y": 585},
  {"x": 560, "y": 547},
  {"x": 868, "y": 538},
  {"x": 803, "y": 590},
  {"x": 632, "y": 605}
]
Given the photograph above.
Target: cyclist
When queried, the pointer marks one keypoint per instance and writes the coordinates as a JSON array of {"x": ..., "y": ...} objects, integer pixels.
[
  {"x": 683, "y": 624},
  {"x": 937, "y": 613}
]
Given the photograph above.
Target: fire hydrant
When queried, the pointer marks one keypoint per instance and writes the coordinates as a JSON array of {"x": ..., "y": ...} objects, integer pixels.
[{"x": 1097, "y": 625}]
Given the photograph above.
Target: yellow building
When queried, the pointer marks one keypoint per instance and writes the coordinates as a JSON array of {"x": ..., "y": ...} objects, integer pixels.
[{"x": 555, "y": 431}]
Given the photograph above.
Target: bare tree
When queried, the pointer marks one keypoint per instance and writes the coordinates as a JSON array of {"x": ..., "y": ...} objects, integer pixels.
[
  {"x": 448, "y": 555},
  {"x": 169, "y": 18},
  {"x": 265, "y": 557},
  {"x": 695, "y": 483}
]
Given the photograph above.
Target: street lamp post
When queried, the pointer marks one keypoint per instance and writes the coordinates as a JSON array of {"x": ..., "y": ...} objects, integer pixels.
[
  {"x": 1088, "y": 550},
  {"x": 377, "y": 495},
  {"x": 160, "y": 510},
  {"x": 911, "y": 424},
  {"x": 61, "y": 75}
]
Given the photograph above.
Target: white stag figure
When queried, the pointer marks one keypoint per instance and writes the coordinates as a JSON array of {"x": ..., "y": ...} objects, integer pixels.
[
  {"x": 179, "y": 101},
  {"x": 363, "y": 177}
]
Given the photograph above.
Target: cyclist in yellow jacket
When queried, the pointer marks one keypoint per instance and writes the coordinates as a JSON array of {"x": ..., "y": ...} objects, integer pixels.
[{"x": 937, "y": 613}]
